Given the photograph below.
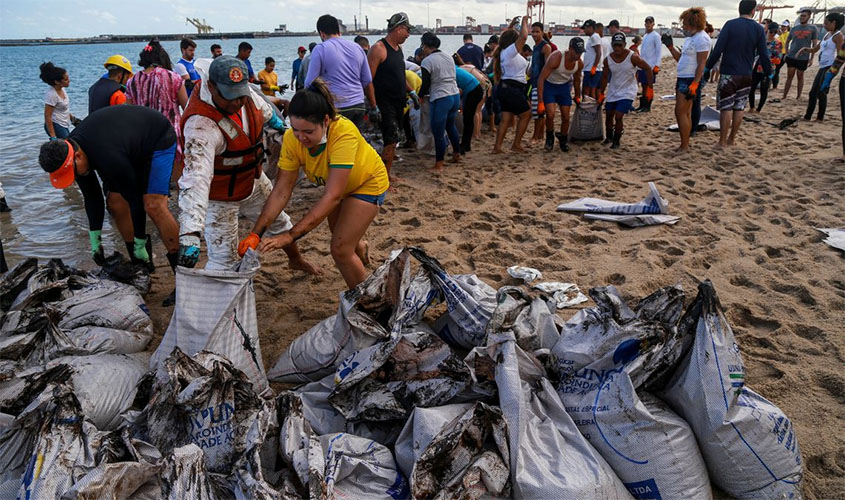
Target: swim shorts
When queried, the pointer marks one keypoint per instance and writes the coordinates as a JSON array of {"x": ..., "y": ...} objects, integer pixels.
[
  {"x": 535, "y": 101},
  {"x": 682, "y": 85},
  {"x": 621, "y": 106},
  {"x": 161, "y": 168},
  {"x": 732, "y": 93},
  {"x": 800, "y": 65},
  {"x": 557, "y": 93},
  {"x": 375, "y": 199},
  {"x": 592, "y": 81}
]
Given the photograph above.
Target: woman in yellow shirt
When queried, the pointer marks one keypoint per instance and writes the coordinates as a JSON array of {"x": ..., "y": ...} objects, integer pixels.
[{"x": 332, "y": 153}]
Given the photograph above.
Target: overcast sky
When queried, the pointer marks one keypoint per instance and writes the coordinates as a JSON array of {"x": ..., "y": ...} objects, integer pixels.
[{"x": 81, "y": 18}]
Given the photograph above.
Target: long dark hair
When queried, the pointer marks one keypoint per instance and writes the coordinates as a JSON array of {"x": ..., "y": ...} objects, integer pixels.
[
  {"x": 154, "y": 55},
  {"x": 50, "y": 73},
  {"x": 313, "y": 103},
  {"x": 506, "y": 39}
]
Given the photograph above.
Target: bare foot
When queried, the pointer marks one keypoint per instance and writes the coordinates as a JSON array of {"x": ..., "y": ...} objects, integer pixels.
[
  {"x": 362, "y": 250},
  {"x": 497, "y": 151},
  {"x": 303, "y": 265},
  {"x": 517, "y": 149},
  {"x": 681, "y": 151}
]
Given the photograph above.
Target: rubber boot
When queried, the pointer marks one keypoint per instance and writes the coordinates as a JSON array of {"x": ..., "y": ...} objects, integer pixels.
[
  {"x": 150, "y": 265},
  {"x": 562, "y": 140},
  {"x": 646, "y": 106},
  {"x": 550, "y": 140},
  {"x": 616, "y": 137},
  {"x": 641, "y": 107},
  {"x": 4, "y": 207},
  {"x": 130, "y": 249},
  {"x": 172, "y": 259}
]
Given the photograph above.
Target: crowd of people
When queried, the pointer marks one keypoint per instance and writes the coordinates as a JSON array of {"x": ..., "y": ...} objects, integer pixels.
[{"x": 208, "y": 124}]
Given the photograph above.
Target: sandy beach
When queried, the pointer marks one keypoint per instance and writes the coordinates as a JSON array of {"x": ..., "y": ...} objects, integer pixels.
[{"x": 747, "y": 223}]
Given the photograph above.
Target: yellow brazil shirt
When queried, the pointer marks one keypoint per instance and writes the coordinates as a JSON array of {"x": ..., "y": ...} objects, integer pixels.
[
  {"x": 269, "y": 78},
  {"x": 414, "y": 81},
  {"x": 783, "y": 36},
  {"x": 344, "y": 148}
]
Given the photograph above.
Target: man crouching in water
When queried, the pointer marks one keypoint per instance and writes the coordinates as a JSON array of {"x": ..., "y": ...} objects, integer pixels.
[{"x": 223, "y": 130}]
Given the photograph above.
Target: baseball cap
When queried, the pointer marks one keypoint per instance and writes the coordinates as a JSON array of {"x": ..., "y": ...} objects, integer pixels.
[
  {"x": 577, "y": 44},
  {"x": 63, "y": 175},
  {"x": 785, "y": 23},
  {"x": 230, "y": 76},
  {"x": 805, "y": 9},
  {"x": 649, "y": 19},
  {"x": 301, "y": 49},
  {"x": 588, "y": 23},
  {"x": 398, "y": 19},
  {"x": 618, "y": 38}
]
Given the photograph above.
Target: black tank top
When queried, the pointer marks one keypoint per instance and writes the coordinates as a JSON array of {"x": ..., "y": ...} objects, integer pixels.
[
  {"x": 99, "y": 94},
  {"x": 389, "y": 82}
]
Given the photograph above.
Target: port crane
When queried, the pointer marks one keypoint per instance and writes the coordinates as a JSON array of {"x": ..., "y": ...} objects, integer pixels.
[
  {"x": 201, "y": 26},
  {"x": 537, "y": 10},
  {"x": 770, "y": 6}
]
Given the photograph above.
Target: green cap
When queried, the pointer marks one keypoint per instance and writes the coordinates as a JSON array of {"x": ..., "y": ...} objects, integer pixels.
[{"x": 230, "y": 76}]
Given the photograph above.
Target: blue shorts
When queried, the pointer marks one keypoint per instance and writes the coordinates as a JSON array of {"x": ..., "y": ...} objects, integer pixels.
[
  {"x": 641, "y": 77},
  {"x": 375, "y": 199},
  {"x": 161, "y": 168},
  {"x": 621, "y": 106},
  {"x": 61, "y": 132},
  {"x": 557, "y": 93},
  {"x": 682, "y": 85},
  {"x": 592, "y": 81}
]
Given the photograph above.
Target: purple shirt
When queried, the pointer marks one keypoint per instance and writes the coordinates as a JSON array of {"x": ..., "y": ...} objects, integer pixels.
[{"x": 343, "y": 65}]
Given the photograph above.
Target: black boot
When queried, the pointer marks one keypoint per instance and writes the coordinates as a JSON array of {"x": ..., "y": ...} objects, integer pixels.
[
  {"x": 550, "y": 140},
  {"x": 562, "y": 140},
  {"x": 641, "y": 106},
  {"x": 4, "y": 207},
  {"x": 130, "y": 249},
  {"x": 647, "y": 106},
  {"x": 172, "y": 259},
  {"x": 608, "y": 139},
  {"x": 616, "y": 137}
]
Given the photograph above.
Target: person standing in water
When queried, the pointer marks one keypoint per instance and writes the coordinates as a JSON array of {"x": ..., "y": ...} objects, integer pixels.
[{"x": 57, "y": 116}]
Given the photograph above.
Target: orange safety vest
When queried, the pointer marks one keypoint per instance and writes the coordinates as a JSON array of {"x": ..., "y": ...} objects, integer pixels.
[{"x": 236, "y": 169}]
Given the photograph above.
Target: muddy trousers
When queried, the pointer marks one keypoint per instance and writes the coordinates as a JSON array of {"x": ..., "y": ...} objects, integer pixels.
[{"x": 221, "y": 224}]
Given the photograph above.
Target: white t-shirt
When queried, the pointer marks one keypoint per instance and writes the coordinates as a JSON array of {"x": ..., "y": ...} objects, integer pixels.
[
  {"x": 441, "y": 70},
  {"x": 590, "y": 53},
  {"x": 61, "y": 107},
  {"x": 699, "y": 42},
  {"x": 605, "y": 48},
  {"x": 651, "y": 49},
  {"x": 180, "y": 69},
  {"x": 513, "y": 64}
]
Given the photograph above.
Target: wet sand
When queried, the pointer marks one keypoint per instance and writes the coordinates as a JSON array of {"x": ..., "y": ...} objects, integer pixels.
[{"x": 747, "y": 224}]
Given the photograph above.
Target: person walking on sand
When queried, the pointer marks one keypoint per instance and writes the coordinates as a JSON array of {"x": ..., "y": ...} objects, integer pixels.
[
  {"x": 387, "y": 67},
  {"x": 295, "y": 82},
  {"x": 57, "y": 116},
  {"x": 758, "y": 78},
  {"x": 343, "y": 66},
  {"x": 593, "y": 60},
  {"x": 561, "y": 72},
  {"x": 827, "y": 49},
  {"x": 439, "y": 84},
  {"x": 739, "y": 43},
  {"x": 691, "y": 60},
  {"x": 509, "y": 72},
  {"x": 802, "y": 35},
  {"x": 620, "y": 68},
  {"x": 332, "y": 153},
  {"x": 650, "y": 52},
  {"x": 223, "y": 178},
  {"x": 542, "y": 50}
]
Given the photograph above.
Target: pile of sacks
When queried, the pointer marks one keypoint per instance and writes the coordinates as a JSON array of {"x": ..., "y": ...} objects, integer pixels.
[{"x": 493, "y": 396}]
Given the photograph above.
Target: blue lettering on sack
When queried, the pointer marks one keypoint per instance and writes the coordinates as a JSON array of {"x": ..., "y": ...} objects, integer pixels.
[
  {"x": 346, "y": 369},
  {"x": 399, "y": 490},
  {"x": 212, "y": 426},
  {"x": 644, "y": 490}
]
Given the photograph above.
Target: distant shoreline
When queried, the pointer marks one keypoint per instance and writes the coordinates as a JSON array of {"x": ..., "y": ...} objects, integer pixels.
[{"x": 145, "y": 38}]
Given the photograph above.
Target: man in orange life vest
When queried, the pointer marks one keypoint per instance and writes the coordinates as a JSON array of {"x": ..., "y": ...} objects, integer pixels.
[{"x": 223, "y": 129}]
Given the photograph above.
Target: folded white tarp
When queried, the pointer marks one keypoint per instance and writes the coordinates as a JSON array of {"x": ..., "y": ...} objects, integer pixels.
[
  {"x": 651, "y": 204},
  {"x": 709, "y": 118},
  {"x": 636, "y": 220},
  {"x": 835, "y": 237}
]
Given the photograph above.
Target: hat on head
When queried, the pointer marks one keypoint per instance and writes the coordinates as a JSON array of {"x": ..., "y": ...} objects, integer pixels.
[
  {"x": 618, "y": 38},
  {"x": 577, "y": 44},
  {"x": 398, "y": 19},
  {"x": 118, "y": 61},
  {"x": 230, "y": 76},
  {"x": 589, "y": 23},
  {"x": 58, "y": 163},
  {"x": 649, "y": 19},
  {"x": 301, "y": 49},
  {"x": 785, "y": 23},
  {"x": 805, "y": 9}
]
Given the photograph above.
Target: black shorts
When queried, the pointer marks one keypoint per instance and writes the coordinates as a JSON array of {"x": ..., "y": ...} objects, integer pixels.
[
  {"x": 512, "y": 98},
  {"x": 391, "y": 120},
  {"x": 797, "y": 63}
]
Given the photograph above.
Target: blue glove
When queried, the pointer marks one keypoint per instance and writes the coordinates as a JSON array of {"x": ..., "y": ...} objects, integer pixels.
[
  {"x": 374, "y": 115},
  {"x": 189, "y": 250},
  {"x": 828, "y": 79},
  {"x": 276, "y": 123}
]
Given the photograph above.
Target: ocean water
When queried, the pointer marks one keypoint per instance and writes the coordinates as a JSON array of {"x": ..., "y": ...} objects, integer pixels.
[{"x": 47, "y": 222}]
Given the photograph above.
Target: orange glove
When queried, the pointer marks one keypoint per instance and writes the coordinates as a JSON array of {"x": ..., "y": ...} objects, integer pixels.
[
  {"x": 693, "y": 88},
  {"x": 649, "y": 93},
  {"x": 593, "y": 71},
  {"x": 541, "y": 108},
  {"x": 577, "y": 101},
  {"x": 250, "y": 241},
  {"x": 601, "y": 98},
  {"x": 655, "y": 70}
]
